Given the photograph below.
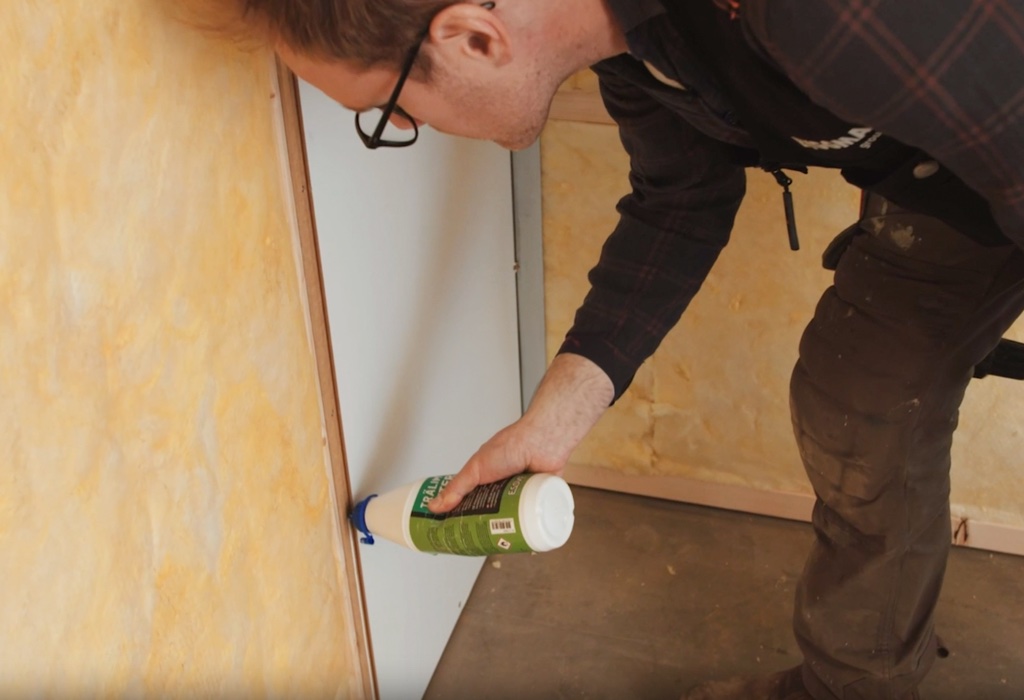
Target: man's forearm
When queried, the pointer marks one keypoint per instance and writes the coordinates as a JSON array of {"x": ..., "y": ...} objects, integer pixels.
[{"x": 572, "y": 396}]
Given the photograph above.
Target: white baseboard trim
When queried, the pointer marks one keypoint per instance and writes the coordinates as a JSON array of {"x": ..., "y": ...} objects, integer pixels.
[{"x": 966, "y": 532}]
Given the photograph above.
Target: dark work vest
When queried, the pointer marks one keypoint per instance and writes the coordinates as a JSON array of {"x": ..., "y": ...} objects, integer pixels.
[{"x": 793, "y": 132}]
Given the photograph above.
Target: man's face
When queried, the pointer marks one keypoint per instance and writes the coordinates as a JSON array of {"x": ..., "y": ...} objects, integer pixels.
[{"x": 482, "y": 102}]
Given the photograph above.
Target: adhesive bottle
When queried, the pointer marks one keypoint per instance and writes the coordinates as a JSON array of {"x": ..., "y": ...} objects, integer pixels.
[{"x": 523, "y": 513}]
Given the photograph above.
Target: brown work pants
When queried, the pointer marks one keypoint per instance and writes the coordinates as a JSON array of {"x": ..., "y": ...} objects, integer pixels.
[{"x": 875, "y": 398}]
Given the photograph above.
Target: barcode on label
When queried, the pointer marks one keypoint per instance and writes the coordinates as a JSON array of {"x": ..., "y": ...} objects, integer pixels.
[{"x": 503, "y": 526}]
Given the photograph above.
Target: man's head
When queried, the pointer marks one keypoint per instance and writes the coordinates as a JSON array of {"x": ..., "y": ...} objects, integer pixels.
[{"x": 486, "y": 71}]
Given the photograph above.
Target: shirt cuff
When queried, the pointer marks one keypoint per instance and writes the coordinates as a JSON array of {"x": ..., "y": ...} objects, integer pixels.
[{"x": 619, "y": 368}]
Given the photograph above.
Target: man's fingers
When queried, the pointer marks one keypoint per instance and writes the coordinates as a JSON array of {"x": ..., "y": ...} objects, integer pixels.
[{"x": 452, "y": 494}]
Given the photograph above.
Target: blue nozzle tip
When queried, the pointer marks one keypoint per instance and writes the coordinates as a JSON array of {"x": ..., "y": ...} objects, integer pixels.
[{"x": 358, "y": 519}]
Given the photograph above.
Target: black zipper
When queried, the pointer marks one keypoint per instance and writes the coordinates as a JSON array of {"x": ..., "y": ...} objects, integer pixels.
[{"x": 785, "y": 181}]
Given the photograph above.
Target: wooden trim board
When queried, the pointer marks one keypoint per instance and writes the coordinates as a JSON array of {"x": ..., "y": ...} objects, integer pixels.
[
  {"x": 321, "y": 336},
  {"x": 579, "y": 105},
  {"x": 966, "y": 532}
]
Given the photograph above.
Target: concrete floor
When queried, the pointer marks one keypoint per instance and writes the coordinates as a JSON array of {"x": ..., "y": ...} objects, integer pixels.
[{"x": 650, "y": 597}]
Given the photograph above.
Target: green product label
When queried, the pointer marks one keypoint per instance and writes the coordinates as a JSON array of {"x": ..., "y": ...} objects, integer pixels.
[{"x": 486, "y": 522}]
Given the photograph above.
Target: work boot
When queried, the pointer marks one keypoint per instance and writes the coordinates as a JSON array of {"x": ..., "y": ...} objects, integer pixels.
[{"x": 785, "y": 685}]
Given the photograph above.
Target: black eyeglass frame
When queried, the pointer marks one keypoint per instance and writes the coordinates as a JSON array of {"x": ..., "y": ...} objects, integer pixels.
[{"x": 374, "y": 140}]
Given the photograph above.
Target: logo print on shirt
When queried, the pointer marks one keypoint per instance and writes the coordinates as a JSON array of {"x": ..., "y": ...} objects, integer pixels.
[{"x": 861, "y": 135}]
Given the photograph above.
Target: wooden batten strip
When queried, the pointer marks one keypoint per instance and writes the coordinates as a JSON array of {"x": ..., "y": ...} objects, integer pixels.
[{"x": 312, "y": 272}]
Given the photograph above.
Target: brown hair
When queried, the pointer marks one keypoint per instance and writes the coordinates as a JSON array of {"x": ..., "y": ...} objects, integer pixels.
[{"x": 366, "y": 32}]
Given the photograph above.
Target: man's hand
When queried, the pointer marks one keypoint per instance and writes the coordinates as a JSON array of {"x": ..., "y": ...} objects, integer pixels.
[{"x": 571, "y": 397}]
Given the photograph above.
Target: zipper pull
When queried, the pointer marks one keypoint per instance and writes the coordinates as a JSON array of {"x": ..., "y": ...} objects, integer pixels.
[{"x": 787, "y": 202}]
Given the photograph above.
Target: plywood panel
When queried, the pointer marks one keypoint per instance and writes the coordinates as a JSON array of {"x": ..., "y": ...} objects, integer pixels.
[
  {"x": 167, "y": 526},
  {"x": 712, "y": 403}
]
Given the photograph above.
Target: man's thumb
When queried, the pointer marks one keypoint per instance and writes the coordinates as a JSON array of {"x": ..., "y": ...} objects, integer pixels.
[{"x": 449, "y": 497}]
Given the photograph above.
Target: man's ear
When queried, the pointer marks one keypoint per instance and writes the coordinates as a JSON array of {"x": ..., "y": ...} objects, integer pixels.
[{"x": 467, "y": 30}]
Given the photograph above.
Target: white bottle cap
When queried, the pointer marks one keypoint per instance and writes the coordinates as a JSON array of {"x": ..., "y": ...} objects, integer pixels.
[{"x": 546, "y": 512}]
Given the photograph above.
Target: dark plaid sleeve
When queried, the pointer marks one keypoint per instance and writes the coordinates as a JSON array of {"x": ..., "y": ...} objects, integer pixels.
[
  {"x": 946, "y": 77},
  {"x": 685, "y": 194}
]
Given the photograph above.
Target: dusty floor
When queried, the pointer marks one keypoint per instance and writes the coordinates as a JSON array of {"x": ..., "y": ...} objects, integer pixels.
[{"x": 650, "y": 597}]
